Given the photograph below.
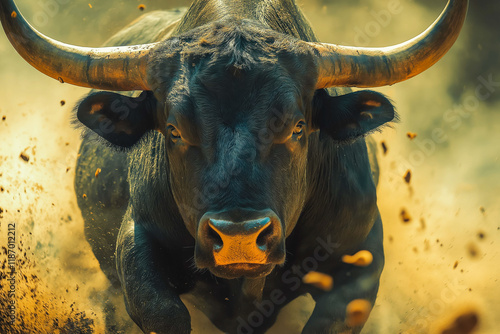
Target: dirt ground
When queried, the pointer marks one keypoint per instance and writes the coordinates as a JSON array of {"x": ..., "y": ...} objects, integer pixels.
[{"x": 441, "y": 263}]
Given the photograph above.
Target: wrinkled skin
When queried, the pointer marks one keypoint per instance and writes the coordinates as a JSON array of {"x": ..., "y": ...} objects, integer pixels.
[{"x": 235, "y": 124}]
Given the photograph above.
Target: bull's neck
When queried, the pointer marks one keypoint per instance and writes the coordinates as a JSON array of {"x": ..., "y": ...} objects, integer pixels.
[{"x": 280, "y": 15}]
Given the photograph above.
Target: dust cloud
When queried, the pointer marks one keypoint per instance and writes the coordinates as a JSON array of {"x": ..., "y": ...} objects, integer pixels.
[{"x": 441, "y": 263}]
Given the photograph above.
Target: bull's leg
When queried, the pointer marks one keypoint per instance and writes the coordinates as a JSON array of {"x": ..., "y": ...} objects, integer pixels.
[
  {"x": 350, "y": 283},
  {"x": 102, "y": 193},
  {"x": 150, "y": 285}
]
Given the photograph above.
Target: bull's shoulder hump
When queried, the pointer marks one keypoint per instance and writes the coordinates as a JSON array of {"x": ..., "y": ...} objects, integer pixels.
[{"x": 148, "y": 28}]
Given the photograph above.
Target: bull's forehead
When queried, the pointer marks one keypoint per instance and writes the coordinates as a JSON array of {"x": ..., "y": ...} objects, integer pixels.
[
  {"x": 216, "y": 98},
  {"x": 231, "y": 62}
]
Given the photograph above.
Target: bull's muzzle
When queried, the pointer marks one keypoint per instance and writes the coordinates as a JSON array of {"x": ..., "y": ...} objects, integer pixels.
[
  {"x": 240, "y": 240},
  {"x": 245, "y": 242}
]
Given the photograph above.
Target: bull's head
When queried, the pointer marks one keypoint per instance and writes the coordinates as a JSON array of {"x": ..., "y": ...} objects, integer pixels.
[{"x": 238, "y": 105}]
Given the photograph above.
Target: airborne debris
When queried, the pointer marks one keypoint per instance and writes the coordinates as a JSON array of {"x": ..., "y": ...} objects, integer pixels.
[
  {"x": 481, "y": 235},
  {"x": 90, "y": 6},
  {"x": 473, "y": 250},
  {"x": 24, "y": 156},
  {"x": 405, "y": 217},
  {"x": 97, "y": 172},
  {"x": 63, "y": 102},
  {"x": 411, "y": 135},
  {"x": 422, "y": 224},
  {"x": 463, "y": 324},
  {"x": 319, "y": 280},
  {"x": 455, "y": 265},
  {"x": 13, "y": 14},
  {"x": 4, "y": 118},
  {"x": 407, "y": 176},
  {"x": 84, "y": 196},
  {"x": 384, "y": 147},
  {"x": 362, "y": 258},
  {"x": 357, "y": 312},
  {"x": 482, "y": 209},
  {"x": 141, "y": 6}
]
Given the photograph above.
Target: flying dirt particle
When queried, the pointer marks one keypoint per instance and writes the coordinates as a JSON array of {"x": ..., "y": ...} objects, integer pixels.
[
  {"x": 482, "y": 209},
  {"x": 391, "y": 238},
  {"x": 13, "y": 14},
  {"x": 481, "y": 235},
  {"x": 67, "y": 144},
  {"x": 62, "y": 102},
  {"x": 1, "y": 210},
  {"x": 357, "y": 312},
  {"x": 84, "y": 196},
  {"x": 97, "y": 172},
  {"x": 90, "y": 6},
  {"x": 60, "y": 80},
  {"x": 2, "y": 189},
  {"x": 422, "y": 224},
  {"x": 405, "y": 217},
  {"x": 141, "y": 6},
  {"x": 473, "y": 250},
  {"x": 67, "y": 169},
  {"x": 4, "y": 118},
  {"x": 411, "y": 135},
  {"x": 362, "y": 258},
  {"x": 415, "y": 249},
  {"x": 24, "y": 156},
  {"x": 455, "y": 265},
  {"x": 319, "y": 280},
  {"x": 407, "y": 176},
  {"x": 463, "y": 324},
  {"x": 384, "y": 147}
]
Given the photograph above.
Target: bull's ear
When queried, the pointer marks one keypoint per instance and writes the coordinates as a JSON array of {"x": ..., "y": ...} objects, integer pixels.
[
  {"x": 119, "y": 119},
  {"x": 348, "y": 117}
]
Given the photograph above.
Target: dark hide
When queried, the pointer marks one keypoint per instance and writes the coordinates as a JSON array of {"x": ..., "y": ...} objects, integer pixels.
[{"x": 233, "y": 121}]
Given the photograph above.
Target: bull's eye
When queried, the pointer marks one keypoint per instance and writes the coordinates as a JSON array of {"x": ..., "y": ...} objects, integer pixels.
[
  {"x": 174, "y": 133},
  {"x": 299, "y": 129}
]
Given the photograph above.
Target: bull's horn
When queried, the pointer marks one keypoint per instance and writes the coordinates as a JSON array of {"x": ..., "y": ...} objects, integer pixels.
[
  {"x": 375, "y": 67},
  {"x": 110, "y": 68}
]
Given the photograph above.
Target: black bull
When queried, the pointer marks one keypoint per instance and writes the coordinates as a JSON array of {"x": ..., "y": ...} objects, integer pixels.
[{"x": 254, "y": 174}]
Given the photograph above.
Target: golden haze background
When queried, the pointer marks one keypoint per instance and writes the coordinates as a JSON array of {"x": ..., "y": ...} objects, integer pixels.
[{"x": 443, "y": 261}]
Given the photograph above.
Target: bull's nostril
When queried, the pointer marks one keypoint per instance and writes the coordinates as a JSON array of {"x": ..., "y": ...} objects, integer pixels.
[
  {"x": 215, "y": 238},
  {"x": 263, "y": 238}
]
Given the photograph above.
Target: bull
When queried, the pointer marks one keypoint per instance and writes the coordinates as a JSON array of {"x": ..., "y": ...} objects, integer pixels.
[{"x": 239, "y": 160}]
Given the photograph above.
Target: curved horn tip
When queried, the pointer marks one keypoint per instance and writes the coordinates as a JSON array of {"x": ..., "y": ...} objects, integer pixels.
[
  {"x": 375, "y": 67},
  {"x": 121, "y": 68}
]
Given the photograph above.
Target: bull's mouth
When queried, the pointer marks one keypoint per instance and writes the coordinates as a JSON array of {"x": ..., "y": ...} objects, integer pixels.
[{"x": 237, "y": 270}]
